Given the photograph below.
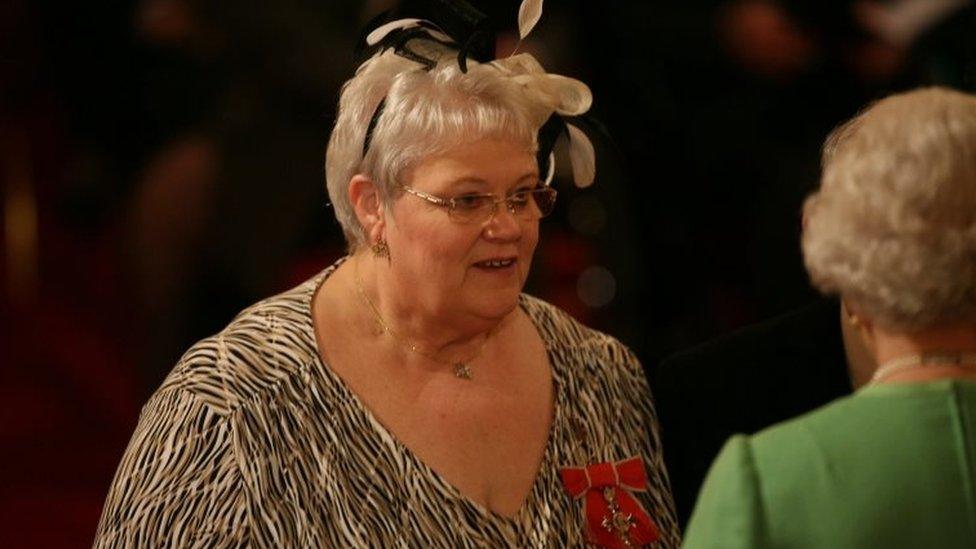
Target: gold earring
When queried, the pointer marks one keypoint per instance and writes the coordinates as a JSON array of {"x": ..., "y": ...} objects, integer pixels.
[
  {"x": 851, "y": 317},
  {"x": 380, "y": 249}
]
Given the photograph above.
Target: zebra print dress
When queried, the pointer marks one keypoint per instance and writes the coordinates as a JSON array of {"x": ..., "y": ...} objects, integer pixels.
[{"x": 253, "y": 441}]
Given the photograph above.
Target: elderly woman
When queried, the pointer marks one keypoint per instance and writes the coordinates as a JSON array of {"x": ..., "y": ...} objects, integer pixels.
[
  {"x": 410, "y": 395},
  {"x": 893, "y": 232}
]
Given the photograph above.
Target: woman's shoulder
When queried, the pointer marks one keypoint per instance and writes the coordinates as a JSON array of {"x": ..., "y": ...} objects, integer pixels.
[
  {"x": 265, "y": 345},
  {"x": 805, "y": 429},
  {"x": 831, "y": 466},
  {"x": 563, "y": 334},
  {"x": 833, "y": 437},
  {"x": 868, "y": 417},
  {"x": 557, "y": 327}
]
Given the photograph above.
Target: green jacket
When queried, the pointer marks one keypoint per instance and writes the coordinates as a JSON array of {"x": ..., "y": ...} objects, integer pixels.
[{"x": 890, "y": 466}]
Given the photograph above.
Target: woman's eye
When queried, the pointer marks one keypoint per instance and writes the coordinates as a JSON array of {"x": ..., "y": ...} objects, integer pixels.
[
  {"x": 519, "y": 198},
  {"x": 469, "y": 202}
]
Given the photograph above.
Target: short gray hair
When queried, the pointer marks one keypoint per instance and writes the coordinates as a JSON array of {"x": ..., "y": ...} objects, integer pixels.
[
  {"x": 892, "y": 228},
  {"x": 425, "y": 112}
]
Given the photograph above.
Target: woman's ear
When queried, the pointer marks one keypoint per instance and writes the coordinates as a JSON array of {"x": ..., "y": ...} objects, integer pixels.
[
  {"x": 368, "y": 205},
  {"x": 863, "y": 325}
]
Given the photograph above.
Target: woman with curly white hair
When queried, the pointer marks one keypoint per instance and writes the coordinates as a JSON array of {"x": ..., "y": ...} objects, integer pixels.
[
  {"x": 410, "y": 395},
  {"x": 892, "y": 231}
]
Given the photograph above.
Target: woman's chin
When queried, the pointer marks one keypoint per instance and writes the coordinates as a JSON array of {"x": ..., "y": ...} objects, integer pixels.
[
  {"x": 497, "y": 305},
  {"x": 493, "y": 293}
]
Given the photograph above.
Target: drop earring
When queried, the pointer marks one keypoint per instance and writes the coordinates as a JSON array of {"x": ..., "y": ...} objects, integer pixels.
[{"x": 380, "y": 249}]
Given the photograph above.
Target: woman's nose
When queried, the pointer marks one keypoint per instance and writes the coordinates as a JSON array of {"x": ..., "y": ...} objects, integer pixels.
[{"x": 503, "y": 224}]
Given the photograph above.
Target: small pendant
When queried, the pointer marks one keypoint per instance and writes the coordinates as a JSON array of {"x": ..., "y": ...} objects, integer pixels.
[{"x": 461, "y": 371}]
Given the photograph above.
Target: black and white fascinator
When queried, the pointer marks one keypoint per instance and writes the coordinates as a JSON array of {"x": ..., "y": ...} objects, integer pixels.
[{"x": 457, "y": 25}]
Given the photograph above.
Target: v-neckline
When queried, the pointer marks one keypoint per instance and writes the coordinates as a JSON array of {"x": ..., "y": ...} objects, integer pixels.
[{"x": 380, "y": 430}]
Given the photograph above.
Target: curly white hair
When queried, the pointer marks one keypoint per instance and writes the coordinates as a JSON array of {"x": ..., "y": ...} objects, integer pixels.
[{"x": 892, "y": 228}]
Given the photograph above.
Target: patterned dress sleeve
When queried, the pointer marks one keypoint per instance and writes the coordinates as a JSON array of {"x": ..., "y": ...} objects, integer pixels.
[
  {"x": 729, "y": 512},
  {"x": 657, "y": 474},
  {"x": 178, "y": 484}
]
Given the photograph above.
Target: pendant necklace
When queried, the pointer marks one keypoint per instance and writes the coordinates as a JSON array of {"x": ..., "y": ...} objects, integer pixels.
[{"x": 461, "y": 368}]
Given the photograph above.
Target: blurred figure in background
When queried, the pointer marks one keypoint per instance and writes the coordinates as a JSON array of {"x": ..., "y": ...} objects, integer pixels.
[
  {"x": 892, "y": 231},
  {"x": 234, "y": 109},
  {"x": 67, "y": 386}
]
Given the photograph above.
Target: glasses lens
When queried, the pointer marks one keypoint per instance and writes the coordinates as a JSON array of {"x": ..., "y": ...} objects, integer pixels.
[
  {"x": 543, "y": 201},
  {"x": 470, "y": 208},
  {"x": 530, "y": 205}
]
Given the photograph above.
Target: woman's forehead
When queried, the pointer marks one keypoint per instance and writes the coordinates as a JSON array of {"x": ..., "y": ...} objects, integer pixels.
[
  {"x": 483, "y": 149},
  {"x": 487, "y": 162}
]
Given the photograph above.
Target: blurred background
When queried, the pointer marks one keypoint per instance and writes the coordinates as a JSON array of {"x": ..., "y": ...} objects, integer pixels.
[{"x": 161, "y": 168}]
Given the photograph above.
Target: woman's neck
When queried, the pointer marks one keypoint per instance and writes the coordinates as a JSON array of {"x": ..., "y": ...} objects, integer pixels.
[
  {"x": 934, "y": 351},
  {"x": 860, "y": 361},
  {"x": 441, "y": 338}
]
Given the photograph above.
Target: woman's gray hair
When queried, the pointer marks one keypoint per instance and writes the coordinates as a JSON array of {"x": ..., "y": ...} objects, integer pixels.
[
  {"x": 893, "y": 227},
  {"x": 427, "y": 112}
]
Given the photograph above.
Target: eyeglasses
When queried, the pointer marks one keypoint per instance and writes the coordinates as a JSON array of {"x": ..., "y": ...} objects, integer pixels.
[{"x": 526, "y": 204}]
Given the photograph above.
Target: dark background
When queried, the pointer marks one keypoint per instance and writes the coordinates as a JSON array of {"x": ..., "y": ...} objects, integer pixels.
[{"x": 161, "y": 168}]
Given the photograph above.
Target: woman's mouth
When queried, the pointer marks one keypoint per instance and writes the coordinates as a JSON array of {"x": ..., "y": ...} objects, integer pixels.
[{"x": 496, "y": 263}]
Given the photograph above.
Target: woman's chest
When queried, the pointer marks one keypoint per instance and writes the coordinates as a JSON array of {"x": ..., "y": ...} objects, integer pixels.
[
  {"x": 337, "y": 474},
  {"x": 485, "y": 441}
]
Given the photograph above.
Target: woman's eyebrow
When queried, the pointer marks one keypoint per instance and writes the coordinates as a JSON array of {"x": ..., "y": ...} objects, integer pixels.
[
  {"x": 529, "y": 176},
  {"x": 474, "y": 180},
  {"x": 466, "y": 184},
  {"x": 468, "y": 179}
]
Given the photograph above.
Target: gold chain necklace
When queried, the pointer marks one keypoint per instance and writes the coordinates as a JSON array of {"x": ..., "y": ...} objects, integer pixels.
[{"x": 461, "y": 369}]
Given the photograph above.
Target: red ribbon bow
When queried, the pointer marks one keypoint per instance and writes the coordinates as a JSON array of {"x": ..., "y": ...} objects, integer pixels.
[{"x": 614, "y": 517}]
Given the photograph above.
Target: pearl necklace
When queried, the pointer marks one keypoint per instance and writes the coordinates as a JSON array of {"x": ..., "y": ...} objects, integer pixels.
[
  {"x": 461, "y": 368},
  {"x": 912, "y": 362}
]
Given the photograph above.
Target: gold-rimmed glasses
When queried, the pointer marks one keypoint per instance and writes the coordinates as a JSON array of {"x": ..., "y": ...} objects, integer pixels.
[{"x": 527, "y": 204}]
